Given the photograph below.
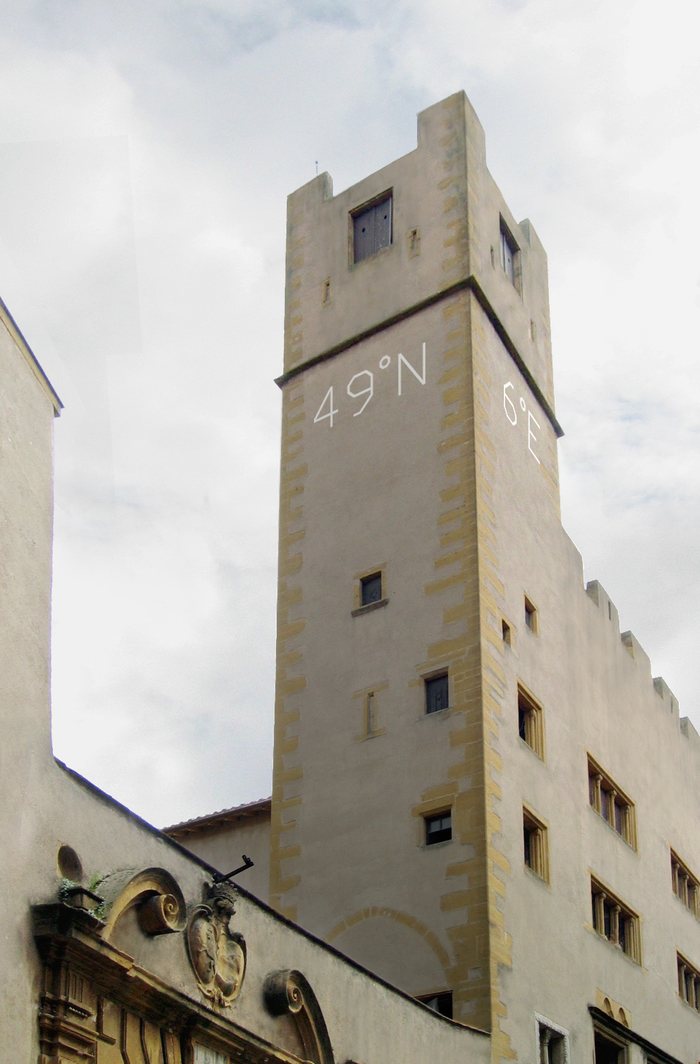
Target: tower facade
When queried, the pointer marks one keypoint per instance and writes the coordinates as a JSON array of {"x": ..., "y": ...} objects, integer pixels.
[{"x": 476, "y": 784}]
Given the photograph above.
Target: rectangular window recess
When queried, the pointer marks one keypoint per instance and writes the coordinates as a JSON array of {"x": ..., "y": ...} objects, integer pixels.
[
  {"x": 440, "y": 1003},
  {"x": 371, "y": 589},
  {"x": 611, "y": 803},
  {"x": 438, "y": 828},
  {"x": 553, "y": 1043},
  {"x": 506, "y": 633},
  {"x": 606, "y": 1051},
  {"x": 615, "y": 921},
  {"x": 685, "y": 884},
  {"x": 688, "y": 982},
  {"x": 531, "y": 618},
  {"x": 437, "y": 693},
  {"x": 535, "y": 844},
  {"x": 372, "y": 227},
  {"x": 510, "y": 256},
  {"x": 531, "y": 722}
]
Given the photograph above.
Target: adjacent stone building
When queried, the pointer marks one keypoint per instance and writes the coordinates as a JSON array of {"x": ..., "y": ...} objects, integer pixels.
[{"x": 479, "y": 790}]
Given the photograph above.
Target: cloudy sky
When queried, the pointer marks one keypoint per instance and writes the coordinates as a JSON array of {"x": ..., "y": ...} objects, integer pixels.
[{"x": 146, "y": 152}]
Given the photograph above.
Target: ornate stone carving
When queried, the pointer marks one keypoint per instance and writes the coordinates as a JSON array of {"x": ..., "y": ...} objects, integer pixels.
[
  {"x": 153, "y": 892},
  {"x": 217, "y": 954},
  {"x": 289, "y": 992}
]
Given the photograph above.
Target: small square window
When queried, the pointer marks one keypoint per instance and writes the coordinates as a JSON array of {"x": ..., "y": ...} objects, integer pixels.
[
  {"x": 441, "y": 1003},
  {"x": 536, "y": 845},
  {"x": 372, "y": 228},
  {"x": 438, "y": 828},
  {"x": 531, "y": 616},
  {"x": 371, "y": 589},
  {"x": 530, "y": 722},
  {"x": 437, "y": 693}
]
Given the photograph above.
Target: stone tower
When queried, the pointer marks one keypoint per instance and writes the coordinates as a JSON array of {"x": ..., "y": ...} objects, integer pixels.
[
  {"x": 417, "y": 371},
  {"x": 480, "y": 792}
]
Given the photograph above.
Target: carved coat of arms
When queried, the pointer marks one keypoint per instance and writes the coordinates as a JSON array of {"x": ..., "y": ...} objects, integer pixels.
[{"x": 217, "y": 954}]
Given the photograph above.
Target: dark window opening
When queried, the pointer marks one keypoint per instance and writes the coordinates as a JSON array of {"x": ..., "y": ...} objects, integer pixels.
[
  {"x": 607, "y": 1052},
  {"x": 614, "y": 921},
  {"x": 438, "y": 828},
  {"x": 530, "y": 727},
  {"x": 505, "y": 631},
  {"x": 552, "y": 1046},
  {"x": 441, "y": 1003},
  {"x": 437, "y": 694},
  {"x": 535, "y": 845},
  {"x": 530, "y": 616},
  {"x": 371, "y": 589},
  {"x": 372, "y": 229},
  {"x": 509, "y": 257}
]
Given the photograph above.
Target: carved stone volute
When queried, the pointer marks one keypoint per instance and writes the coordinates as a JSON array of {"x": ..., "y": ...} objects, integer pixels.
[{"x": 289, "y": 993}]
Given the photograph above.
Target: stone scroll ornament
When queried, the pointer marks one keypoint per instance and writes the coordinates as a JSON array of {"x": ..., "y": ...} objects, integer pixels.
[
  {"x": 289, "y": 993},
  {"x": 217, "y": 954}
]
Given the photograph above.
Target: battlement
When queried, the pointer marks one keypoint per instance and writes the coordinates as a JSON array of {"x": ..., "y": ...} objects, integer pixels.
[{"x": 597, "y": 593}]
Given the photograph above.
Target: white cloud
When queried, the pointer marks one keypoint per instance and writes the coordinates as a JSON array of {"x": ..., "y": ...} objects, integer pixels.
[{"x": 148, "y": 151}]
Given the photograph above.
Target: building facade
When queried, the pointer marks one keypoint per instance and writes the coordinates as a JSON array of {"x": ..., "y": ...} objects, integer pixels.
[
  {"x": 117, "y": 945},
  {"x": 479, "y": 790}
]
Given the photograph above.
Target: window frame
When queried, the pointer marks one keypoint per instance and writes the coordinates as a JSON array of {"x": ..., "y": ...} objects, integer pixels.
[
  {"x": 685, "y": 970},
  {"x": 427, "y": 681},
  {"x": 535, "y": 844},
  {"x": 511, "y": 261},
  {"x": 687, "y": 892},
  {"x": 607, "y": 924},
  {"x": 601, "y": 783},
  {"x": 365, "y": 208},
  {"x": 359, "y": 580},
  {"x": 532, "y": 620},
  {"x": 432, "y": 817},
  {"x": 531, "y": 722},
  {"x": 562, "y": 1035}
]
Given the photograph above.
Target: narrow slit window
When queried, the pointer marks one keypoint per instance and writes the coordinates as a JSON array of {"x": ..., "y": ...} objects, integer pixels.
[
  {"x": 505, "y": 632},
  {"x": 510, "y": 257},
  {"x": 531, "y": 620}
]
